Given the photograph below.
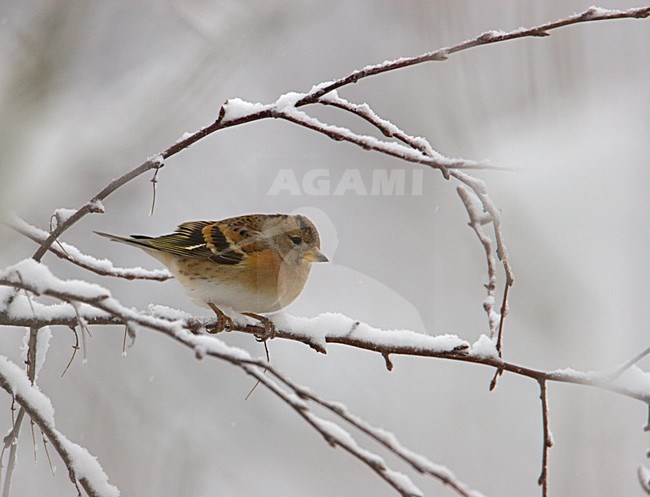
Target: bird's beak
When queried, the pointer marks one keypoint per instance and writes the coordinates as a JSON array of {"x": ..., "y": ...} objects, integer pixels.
[{"x": 315, "y": 255}]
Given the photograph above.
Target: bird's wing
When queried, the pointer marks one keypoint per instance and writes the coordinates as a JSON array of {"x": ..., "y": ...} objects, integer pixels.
[{"x": 220, "y": 242}]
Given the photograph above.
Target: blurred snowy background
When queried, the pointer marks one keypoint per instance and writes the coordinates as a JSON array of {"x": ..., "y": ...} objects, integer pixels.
[{"x": 88, "y": 90}]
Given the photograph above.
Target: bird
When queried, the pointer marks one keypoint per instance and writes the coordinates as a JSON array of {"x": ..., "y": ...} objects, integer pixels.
[{"x": 252, "y": 264}]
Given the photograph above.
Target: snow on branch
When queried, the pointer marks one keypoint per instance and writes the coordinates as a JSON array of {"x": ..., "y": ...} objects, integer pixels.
[
  {"x": 85, "y": 304},
  {"x": 206, "y": 345},
  {"x": 249, "y": 112},
  {"x": 315, "y": 332},
  {"x": 627, "y": 380},
  {"x": 82, "y": 466},
  {"x": 591, "y": 14},
  {"x": 70, "y": 253}
]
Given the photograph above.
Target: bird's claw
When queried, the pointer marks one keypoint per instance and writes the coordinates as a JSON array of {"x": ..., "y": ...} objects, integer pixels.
[
  {"x": 269, "y": 327},
  {"x": 224, "y": 323}
]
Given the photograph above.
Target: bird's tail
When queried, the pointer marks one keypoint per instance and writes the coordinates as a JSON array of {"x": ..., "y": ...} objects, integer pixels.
[{"x": 140, "y": 241}]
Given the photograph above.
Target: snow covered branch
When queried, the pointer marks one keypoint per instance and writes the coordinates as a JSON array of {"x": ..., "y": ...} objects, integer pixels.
[
  {"x": 85, "y": 304},
  {"x": 82, "y": 466},
  {"x": 36, "y": 278},
  {"x": 96, "y": 307},
  {"x": 102, "y": 267},
  {"x": 249, "y": 112}
]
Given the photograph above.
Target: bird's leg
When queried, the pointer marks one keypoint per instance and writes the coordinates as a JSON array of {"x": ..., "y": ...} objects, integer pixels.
[
  {"x": 223, "y": 322},
  {"x": 269, "y": 327}
]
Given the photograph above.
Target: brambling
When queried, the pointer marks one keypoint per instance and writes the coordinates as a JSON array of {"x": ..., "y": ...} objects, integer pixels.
[{"x": 252, "y": 264}]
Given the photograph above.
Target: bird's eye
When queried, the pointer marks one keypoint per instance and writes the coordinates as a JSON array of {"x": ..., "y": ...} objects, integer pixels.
[{"x": 296, "y": 240}]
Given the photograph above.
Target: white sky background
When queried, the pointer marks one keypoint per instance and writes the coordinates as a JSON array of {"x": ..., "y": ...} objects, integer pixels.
[{"x": 88, "y": 91}]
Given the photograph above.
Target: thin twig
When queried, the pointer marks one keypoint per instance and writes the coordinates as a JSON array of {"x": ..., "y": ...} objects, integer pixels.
[
  {"x": 628, "y": 364},
  {"x": 75, "y": 348},
  {"x": 592, "y": 14},
  {"x": 81, "y": 321},
  {"x": 475, "y": 223},
  {"x": 47, "y": 453},
  {"x": 268, "y": 360},
  {"x": 154, "y": 184},
  {"x": 547, "y": 439},
  {"x": 388, "y": 440},
  {"x": 11, "y": 440},
  {"x": 337, "y": 437}
]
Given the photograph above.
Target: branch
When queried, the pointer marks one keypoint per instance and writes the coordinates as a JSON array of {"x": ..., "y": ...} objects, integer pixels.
[
  {"x": 246, "y": 112},
  {"x": 325, "y": 328},
  {"x": 202, "y": 345},
  {"x": 70, "y": 253},
  {"x": 334, "y": 434},
  {"x": 547, "y": 439},
  {"x": 384, "y": 438},
  {"x": 489, "y": 37},
  {"x": 465, "y": 195},
  {"x": 82, "y": 467},
  {"x": 11, "y": 439}
]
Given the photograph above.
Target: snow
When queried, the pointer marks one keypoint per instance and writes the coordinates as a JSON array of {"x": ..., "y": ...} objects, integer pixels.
[
  {"x": 329, "y": 325},
  {"x": 39, "y": 279},
  {"x": 403, "y": 482},
  {"x": 62, "y": 214},
  {"x": 158, "y": 158},
  {"x": 599, "y": 11},
  {"x": 634, "y": 380},
  {"x": 236, "y": 108},
  {"x": 19, "y": 385},
  {"x": 42, "y": 345},
  {"x": 492, "y": 35},
  {"x": 343, "y": 438},
  {"x": 207, "y": 344},
  {"x": 169, "y": 313},
  {"x": 485, "y": 348},
  {"x": 288, "y": 100},
  {"x": 365, "y": 141},
  {"x": 101, "y": 265},
  {"x": 86, "y": 466},
  {"x": 318, "y": 87},
  {"x": 22, "y": 309},
  {"x": 97, "y": 206}
]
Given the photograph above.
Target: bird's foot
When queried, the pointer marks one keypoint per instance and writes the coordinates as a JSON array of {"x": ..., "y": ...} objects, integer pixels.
[
  {"x": 269, "y": 327},
  {"x": 224, "y": 323}
]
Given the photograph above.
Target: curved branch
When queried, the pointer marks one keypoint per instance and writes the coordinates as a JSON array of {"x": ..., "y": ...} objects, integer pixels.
[{"x": 256, "y": 112}]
